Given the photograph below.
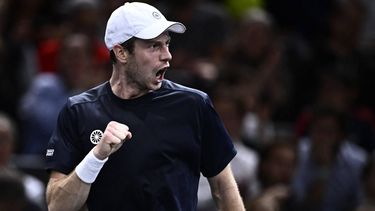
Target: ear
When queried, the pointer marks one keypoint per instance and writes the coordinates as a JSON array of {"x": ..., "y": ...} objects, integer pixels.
[{"x": 120, "y": 53}]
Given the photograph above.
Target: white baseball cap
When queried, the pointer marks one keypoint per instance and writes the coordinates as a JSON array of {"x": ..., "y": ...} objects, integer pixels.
[{"x": 139, "y": 20}]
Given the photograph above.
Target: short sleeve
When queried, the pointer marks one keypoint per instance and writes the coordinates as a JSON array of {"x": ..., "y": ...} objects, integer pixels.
[
  {"x": 217, "y": 146},
  {"x": 63, "y": 149}
]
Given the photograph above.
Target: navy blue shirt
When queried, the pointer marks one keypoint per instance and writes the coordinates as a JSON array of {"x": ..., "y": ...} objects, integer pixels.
[{"x": 176, "y": 135}]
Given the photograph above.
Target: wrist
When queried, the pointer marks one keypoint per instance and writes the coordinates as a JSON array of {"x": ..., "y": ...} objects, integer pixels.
[
  {"x": 98, "y": 155},
  {"x": 88, "y": 169}
]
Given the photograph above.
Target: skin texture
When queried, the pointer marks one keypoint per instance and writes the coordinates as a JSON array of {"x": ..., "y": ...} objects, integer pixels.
[
  {"x": 225, "y": 191},
  {"x": 133, "y": 75}
]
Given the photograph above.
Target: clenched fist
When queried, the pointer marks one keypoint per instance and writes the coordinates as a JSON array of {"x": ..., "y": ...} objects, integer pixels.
[{"x": 114, "y": 136}]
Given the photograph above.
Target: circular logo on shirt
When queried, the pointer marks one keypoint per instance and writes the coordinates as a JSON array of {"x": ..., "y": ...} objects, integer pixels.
[
  {"x": 156, "y": 15},
  {"x": 96, "y": 136}
]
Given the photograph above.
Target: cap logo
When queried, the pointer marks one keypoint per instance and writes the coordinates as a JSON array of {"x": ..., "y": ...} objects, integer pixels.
[
  {"x": 156, "y": 15},
  {"x": 50, "y": 152},
  {"x": 96, "y": 136}
]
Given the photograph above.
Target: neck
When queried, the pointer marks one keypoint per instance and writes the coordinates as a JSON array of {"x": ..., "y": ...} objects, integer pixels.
[{"x": 122, "y": 88}]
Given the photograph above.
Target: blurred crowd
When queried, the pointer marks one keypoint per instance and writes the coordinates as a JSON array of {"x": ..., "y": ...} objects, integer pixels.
[{"x": 291, "y": 80}]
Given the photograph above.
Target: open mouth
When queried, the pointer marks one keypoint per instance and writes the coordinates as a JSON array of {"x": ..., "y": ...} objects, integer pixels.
[{"x": 160, "y": 74}]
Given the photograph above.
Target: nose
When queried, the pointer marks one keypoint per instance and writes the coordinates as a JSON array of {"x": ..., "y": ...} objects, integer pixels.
[{"x": 165, "y": 54}]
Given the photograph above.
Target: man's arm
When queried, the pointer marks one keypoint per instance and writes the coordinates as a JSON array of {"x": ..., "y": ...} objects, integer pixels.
[
  {"x": 70, "y": 192},
  {"x": 225, "y": 191},
  {"x": 66, "y": 192}
]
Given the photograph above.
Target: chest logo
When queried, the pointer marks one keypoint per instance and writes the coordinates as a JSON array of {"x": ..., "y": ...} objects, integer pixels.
[{"x": 96, "y": 136}]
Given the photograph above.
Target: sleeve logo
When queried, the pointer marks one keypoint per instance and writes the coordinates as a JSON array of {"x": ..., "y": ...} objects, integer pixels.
[{"x": 50, "y": 152}]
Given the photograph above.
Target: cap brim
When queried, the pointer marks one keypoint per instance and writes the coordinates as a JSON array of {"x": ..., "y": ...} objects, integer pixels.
[{"x": 156, "y": 29}]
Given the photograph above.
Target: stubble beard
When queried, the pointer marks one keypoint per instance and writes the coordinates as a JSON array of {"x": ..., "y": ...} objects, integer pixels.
[{"x": 137, "y": 80}]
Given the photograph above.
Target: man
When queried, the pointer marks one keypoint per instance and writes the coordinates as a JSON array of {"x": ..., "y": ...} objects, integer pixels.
[{"x": 158, "y": 136}]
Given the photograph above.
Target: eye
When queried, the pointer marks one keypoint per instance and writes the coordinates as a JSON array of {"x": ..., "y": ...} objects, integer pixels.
[
  {"x": 154, "y": 45},
  {"x": 158, "y": 44},
  {"x": 168, "y": 43}
]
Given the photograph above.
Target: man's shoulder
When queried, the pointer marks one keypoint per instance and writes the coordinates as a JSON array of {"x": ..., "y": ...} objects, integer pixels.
[
  {"x": 89, "y": 96},
  {"x": 185, "y": 90}
]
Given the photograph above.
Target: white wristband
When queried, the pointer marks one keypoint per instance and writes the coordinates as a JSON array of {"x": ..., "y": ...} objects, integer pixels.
[{"x": 89, "y": 168}]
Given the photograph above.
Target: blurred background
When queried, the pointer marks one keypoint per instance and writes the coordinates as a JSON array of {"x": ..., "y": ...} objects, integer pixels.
[{"x": 292, "y": 80}]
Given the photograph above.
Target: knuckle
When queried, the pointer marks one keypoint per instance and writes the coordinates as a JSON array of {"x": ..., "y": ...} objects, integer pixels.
[{"x": 109, "y": 130}]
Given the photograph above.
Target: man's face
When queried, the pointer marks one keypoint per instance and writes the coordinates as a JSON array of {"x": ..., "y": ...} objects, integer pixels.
[{"x": 147, "y": 64}]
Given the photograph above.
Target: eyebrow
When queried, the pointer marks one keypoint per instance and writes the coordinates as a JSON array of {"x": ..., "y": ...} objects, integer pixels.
[{"x": 158, "y": 39}]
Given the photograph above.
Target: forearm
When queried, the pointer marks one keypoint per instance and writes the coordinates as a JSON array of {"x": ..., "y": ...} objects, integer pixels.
[
  {"x": 225, "y": 191},
  {"x": 228, "y": 199},
  {"x": 68, "y": 193}
]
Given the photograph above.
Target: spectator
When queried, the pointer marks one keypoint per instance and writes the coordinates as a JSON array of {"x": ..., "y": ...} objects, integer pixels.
[
  {"x": 14, "y": 73},
  {"x": 41, "y": 104},
  {"x": 17, "y": 188},
  {"x": 276, "y": 169},
  {"x": 12, "y": 193},
  {"x": 368, "y": 185},
  {"x": 339, "y": 48},
  {"x": 257, "y": 55},
  {"x": 329, "y": 166},
  {"x": 340, "y": 92},
  {"x": 198, "y": 53}
]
